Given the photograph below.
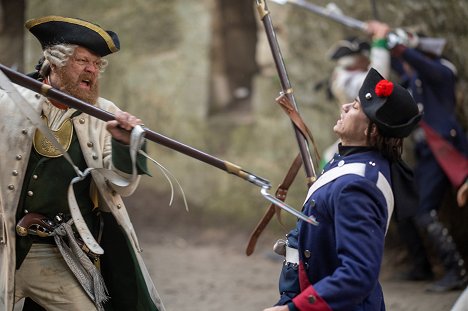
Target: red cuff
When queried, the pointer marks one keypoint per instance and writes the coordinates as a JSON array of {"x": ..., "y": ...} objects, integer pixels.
[{"x": 309, "y": 300}]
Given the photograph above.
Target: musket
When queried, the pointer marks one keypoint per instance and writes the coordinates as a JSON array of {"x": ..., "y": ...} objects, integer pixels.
[
  {"x": 331, "y": 11},
  {"x": 394, "y": 37},
  {"x": 286, "y": 89},
  {"x": 70, "y": 101},
  {"x": 288, "y": 103}
]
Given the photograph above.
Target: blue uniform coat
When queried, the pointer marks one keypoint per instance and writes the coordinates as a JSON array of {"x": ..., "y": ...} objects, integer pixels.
[
  {"x": 341, "y": 257},
  {"x": 432, "y": 85}
]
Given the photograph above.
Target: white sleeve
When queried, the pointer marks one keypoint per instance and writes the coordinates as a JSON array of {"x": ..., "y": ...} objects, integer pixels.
[
  {"x": 380, "y": 60},
  {"x": 345, "y": 84}
]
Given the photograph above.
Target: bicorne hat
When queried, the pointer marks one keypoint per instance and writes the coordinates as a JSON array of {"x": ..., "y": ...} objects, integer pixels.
[
  {"x": 390, "y": 106},
  {"x": 347, "y": 47},
  {"x": 50, "y": 30}
]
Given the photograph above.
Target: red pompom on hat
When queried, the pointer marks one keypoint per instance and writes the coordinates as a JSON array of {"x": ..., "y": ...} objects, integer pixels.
[{"x": 384, "y": 88}]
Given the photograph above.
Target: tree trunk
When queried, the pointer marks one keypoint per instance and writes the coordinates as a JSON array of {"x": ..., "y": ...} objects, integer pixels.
[{"x": 232, "y": 56}]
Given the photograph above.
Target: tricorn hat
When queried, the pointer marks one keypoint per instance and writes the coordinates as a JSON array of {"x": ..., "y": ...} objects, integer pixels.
[
  {"x": 390, "y": 106},
  {"x": 348, "y": 46},
  {"x": 50, "y": 30}
]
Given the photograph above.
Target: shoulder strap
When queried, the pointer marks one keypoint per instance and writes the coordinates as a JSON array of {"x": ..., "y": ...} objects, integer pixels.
[{"x": 357, "y": 169}]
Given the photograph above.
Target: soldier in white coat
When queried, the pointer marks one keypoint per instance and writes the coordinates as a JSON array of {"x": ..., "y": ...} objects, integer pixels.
[{"x": 46, "y": 268}]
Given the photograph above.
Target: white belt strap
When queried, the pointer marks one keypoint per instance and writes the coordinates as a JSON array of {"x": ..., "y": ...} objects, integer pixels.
[
  {"x": 357, "y": 169},
  {"x": 292, "y": 255}
]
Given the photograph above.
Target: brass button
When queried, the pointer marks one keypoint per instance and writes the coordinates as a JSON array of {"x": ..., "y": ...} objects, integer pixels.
[
  {"x": 19, "y": 157},
  {"x": 312, "y": 299},
  {"x": 307, "y": 253},
  {"x": 11, "y": 187},
  {"x": 119, "y": 206},
  {"x": 14, "y": 173},
  {"x": 90, "y": 144},
  {"x": 82, "y": 121},
  {"x": 30, "y": 193}
]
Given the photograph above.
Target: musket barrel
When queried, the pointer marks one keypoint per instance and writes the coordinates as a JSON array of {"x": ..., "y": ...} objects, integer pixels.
[
  {"x": 327, "y": 12},
  {"x": 286, "y": 86}
]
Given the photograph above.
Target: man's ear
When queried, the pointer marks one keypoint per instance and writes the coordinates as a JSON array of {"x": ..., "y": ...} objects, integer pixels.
[{"x": 374, "y": 131}]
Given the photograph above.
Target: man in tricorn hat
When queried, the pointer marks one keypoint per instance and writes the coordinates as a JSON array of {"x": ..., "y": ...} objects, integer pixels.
[
  {"x": 48, "y": 260},
  {"x": 335, "y": 265},
  {"x": 354, "y": 56}
]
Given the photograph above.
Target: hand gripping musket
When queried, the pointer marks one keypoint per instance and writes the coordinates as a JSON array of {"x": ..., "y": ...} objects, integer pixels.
[
  {"x": 70, "y": 101},
  {"x": 288, "y": 103}
]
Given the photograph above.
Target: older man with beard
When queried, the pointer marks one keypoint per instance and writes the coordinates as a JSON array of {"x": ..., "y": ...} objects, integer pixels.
[{"x": 35, "y": 177}]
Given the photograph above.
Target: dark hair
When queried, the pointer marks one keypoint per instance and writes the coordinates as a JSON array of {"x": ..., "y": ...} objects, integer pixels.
[{"x": 390, "y": 147}]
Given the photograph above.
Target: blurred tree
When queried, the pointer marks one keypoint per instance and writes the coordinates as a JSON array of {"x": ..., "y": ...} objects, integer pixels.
[{"x": 233, "y": 66}]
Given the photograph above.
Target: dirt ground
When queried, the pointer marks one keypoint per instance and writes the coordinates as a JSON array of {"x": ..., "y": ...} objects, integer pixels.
[{"x": 196, "y": 266}]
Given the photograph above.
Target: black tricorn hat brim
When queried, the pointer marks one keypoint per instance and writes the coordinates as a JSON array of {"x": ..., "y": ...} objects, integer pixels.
[
  {"x": 50, "y": 30},
  {"x": 396, "y": 115},
  {"x": 346, "y": 47}
]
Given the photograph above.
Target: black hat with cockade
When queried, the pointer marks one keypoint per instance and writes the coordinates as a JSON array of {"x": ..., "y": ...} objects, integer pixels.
[
  {"x": 390, "y": 106},
  {"x": 50, "y": 30}
]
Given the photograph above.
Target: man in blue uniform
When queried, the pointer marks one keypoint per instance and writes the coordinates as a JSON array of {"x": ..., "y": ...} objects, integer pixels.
[
  {"x": 335, "y": 265},
  {"x": 431, "y": 79}
]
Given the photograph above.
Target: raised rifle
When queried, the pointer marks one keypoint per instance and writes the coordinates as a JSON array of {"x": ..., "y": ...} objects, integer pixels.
[
  {"x": 287, "y": 101},
  {"x": 70, "y": 101},
  {"x": 331, "y": 11},
  {"x": 397, "y": 36}
]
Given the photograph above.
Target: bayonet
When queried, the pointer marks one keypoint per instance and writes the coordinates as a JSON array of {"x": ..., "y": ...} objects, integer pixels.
[
  {"x": 331, "y": 11},
  {"x": 395, "y": 37}
]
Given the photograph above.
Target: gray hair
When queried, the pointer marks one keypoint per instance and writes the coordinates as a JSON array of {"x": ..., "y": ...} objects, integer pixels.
[{"x": 58, "y": 55}]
